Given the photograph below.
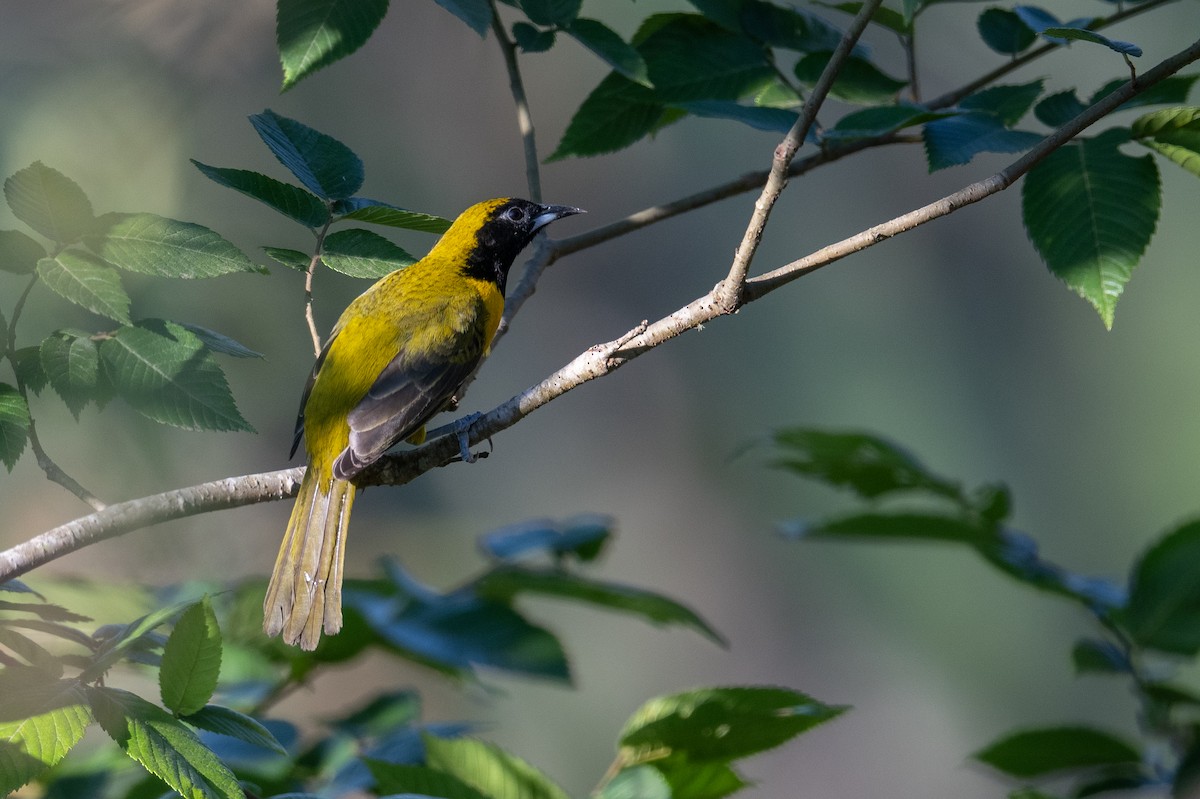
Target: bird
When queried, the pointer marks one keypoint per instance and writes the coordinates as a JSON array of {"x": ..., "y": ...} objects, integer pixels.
[{"x": 395, "y": 358}]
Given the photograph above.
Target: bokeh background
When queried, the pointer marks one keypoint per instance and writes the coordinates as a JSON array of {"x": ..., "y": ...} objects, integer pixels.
[{"x": 953, "y": 340}]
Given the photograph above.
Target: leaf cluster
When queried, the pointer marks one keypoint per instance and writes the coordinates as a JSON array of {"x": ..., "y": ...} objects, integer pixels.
[{"x": 1148, "y": 627}]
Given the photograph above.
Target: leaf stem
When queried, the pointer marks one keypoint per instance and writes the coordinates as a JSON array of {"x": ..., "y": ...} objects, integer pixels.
[
  {"x": 309, "y": 318},
  {"x": 521, "y": 102}
]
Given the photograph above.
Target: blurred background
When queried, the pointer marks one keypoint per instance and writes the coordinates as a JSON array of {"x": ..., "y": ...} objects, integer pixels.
[{"x": 953, "y": 340}]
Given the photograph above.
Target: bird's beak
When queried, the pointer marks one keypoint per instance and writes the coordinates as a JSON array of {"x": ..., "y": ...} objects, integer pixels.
[{"x": 549, "y": 213}]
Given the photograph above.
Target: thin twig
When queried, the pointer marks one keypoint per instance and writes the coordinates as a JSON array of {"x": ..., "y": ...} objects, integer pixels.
[
  {"x": 730, "y": 290},
  {"x": 524, "y": 118},
  {"x": 54, "y": 472},
  {"x": 594, "y": 362},
  {"x": 309, "y": 317}
]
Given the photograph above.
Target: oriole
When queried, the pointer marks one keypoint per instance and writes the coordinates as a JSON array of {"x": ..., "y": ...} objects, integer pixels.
[{"x": 394, "y": 359}]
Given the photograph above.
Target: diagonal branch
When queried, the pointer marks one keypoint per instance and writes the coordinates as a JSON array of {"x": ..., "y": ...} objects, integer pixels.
[{"x": 597, "y": 361}]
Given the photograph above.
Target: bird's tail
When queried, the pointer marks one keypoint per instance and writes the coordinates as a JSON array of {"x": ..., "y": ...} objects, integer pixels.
[{"x": 305, "y": 593}]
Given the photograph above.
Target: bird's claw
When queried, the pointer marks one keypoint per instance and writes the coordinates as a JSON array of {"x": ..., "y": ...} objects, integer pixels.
[{"x": 462, "y": 429}]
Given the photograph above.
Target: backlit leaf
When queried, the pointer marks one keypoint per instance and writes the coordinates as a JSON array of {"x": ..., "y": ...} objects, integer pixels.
[
  {"x": 191, "y": 660},
  {"x": 488, "y": 769},
  {"x": 156, "y": 245},
  {"x": 49, "y": 202},
  {"x": 87, "y": 281},
  {"x": 41, "y": 720},
  {"x": 1174, "y": 133},
  {"x": 72, "y": 365},
  {"x": 14, "y": 425}
]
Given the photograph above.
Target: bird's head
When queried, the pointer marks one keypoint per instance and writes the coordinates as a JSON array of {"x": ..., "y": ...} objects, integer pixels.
[{"x": 492, "y": 233}]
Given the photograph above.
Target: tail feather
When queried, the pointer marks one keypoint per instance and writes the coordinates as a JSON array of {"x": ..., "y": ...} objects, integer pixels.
[{"x": 305, "y": 594}]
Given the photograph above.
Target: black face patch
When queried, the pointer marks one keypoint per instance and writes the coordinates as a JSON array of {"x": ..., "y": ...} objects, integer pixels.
[{"x": 508, "y": 230}]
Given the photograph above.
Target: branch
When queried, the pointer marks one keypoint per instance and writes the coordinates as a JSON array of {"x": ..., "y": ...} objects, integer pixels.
[
  {"x": 730, "y": 291},
  {"x": 524, "y": 118},
  {"x": 597, "y": 361}
]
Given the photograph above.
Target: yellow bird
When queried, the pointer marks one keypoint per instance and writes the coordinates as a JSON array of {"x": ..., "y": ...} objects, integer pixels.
[{"x": 395, "y": 358}]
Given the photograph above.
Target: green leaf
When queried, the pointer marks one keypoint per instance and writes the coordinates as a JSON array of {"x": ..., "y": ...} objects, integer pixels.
[
  {"x": 399, "y": 779},
  {"x": 614, "y": 115},
  {"x": 29, "y": 651},
  {"x": 49, "y": 202},
  {"x": 383, "y": 714},
  {"x": 1173, "y": 133},
  {"x": 883, "y": 16},
  {"x": 639, "y": 782},
  {"x": 896, "y": 526},
  {"x": 551, "y": 13},
  {"x": 859, "y": 82},
  {"x": 43, "y": 610},
  {"x": 378, "y": 212},
  {"x": 1004, "y": 32},
  {"x": 292, "y": 259},
  {"x": 489, "y": 770},
  {"x": 291, "y": 201},
  {"x": 690, "y": 58},
  {"x": 1080, "y": 34},
  {"x": 688, "y": 780},
  {"x": 167, "y": 374},
  {"x": 328, "y": 168},
  {"x": 1091, "y": 656},
  {"x": 477, "y": 14},
  {"x": 778, "y": 120},
  {"x": 1035, "y": 753},
  {"x": 312, "y": 34},
  {"x": 232, "y": 724},
  {"x": 41, "y": 720},
  {"x": 155, "y": 245},
  {"x": 1090, "y": 211},
  {"x": 14, "y": 425},
  {"x": 191, "y": 660},
  {"x": 868, "y": 465},
  {"x": 721, "y": 724},
  {"x": 788, "y": 28},
  {"x": 19, "y": 254},
  {"x": 881, "y": 120},
  {"x": 1169, "y": 91},
  {"x": 1009, "y": 103},
  {"x": 163, "y": 745},
  {"x": 219, "y": 342},
  {"x": 71, "y": 361},
  {"x": 127, "y": 638},
  {"x": 506, "y": 582},
  {"x": 1164, "y": 596},
  {"x": 87, "y": 281},
  {"x": 1058, "y": 109},
  {"x": 612, "y": 49},
  {"x": 27, "y": 363},
  {"x": 532, "y": 39},
  {"x": 361, "y": 253},
  {"x": 956, "y": 140},
  {"x": 583, "y": 537}
]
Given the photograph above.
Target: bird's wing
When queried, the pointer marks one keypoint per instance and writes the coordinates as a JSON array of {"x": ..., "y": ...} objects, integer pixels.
[{"x": 410, "y": 389}]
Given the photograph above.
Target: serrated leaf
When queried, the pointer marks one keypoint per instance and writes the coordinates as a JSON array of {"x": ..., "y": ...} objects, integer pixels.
[
  {"x": 326, "y": 167},
  {"x": 406, "y": 780},
  {"x": 1004, "y": 32},
  {"x": 1090, "y": 211},
  {"x": 312, "y": 34},
  {"x": 72, "y": 365},
  {"x": 721, "y": 724},
  {"x": 506, "y": 582},
  {"x": 361, "y": 253},
  {"x": 156, "y": 245},
  {"x": 1164, "y": 597},
  {"x": 859, "y": 81},
  {"x": 1059, "y": 108},
  {"x": 690, "y": 58},
  {"x": 28, "y": 650},
  {"x": 789, "y": 28},
  {"x": 191, "y": 660},
  {"x": 869, "y": 465},
  {"x": 27, "y": 363},
  {"x": 488, "y": 769},
  {"x": 1169, "y": 91},
  {"x": 163, "y": 745},
  {"x": 1173, "y": 133},
  {"x": 126, "y": 637},
  {"x": 291, "y": 201},
  {"x": 551, "y": 13},
  {"x": 19, "y": 254},
  {"x": 532, "y": 39},
  {"x": 165, "y": 372},
  {"x": 49, "y": 202},
  {"x": 612, "y": 49},
  {"x": 378, "y": 212},
  {"x": 1035, "y": 753},
  {"x": 956, "y": 140},
  {"x": 292, "y": 259},
  {"x": 41, "y": 720},
  {"x": 778, "y": 120},
  {"x": 881, "y": 120},
  {"x": 883, "y": 16},
  {"x": 617, "y": 113},
  {"x": 1009, "y": 103},
  {"x": 1083, "y": 35},
  {"x": 219, "y": 342},
  {"x": 14, "y": 425},
  {"x": 477, "y": 14},
  {"x": 230, "y": 723},
  {"x": 43, "y": 610},
  {"x": 87, "y": 281}
]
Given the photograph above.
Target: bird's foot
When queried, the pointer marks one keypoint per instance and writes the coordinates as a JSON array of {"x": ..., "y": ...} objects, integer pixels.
[{"x": 462, "y": 429}]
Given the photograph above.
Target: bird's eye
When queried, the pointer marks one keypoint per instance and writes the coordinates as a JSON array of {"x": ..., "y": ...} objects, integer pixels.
[{"x": 515, "y": 215}]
